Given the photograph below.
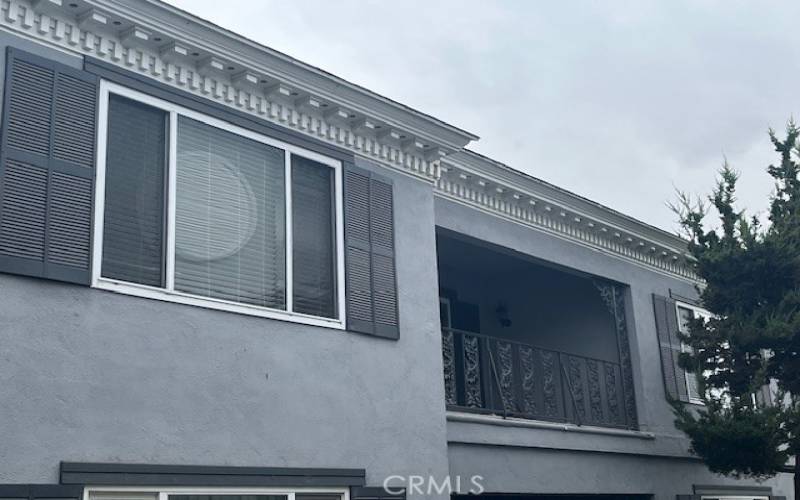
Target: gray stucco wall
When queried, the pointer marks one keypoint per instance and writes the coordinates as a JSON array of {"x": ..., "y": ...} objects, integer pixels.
[
  {"x": 555, "y": 472},
  {"x": 90, "y": 375},
  {"x": 515, "y": 459}
]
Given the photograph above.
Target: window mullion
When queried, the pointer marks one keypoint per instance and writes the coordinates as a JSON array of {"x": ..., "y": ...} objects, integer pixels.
[
  {"x": 171, "y": 189},
  {"x": 287, "y": 157},
  {"x": 338, "y": 219}
]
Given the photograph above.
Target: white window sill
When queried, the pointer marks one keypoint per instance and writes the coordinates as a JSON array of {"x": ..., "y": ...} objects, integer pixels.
[
  {"x": 211, "y": 303},
  {"x": 472, "y": 418}
]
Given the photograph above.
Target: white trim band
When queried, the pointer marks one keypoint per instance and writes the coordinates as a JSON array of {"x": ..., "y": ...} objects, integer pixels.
[{"x": 472, "y": 418}]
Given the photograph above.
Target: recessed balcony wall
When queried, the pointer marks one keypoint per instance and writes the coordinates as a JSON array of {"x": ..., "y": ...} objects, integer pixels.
[{"x": 524, "y": 338}]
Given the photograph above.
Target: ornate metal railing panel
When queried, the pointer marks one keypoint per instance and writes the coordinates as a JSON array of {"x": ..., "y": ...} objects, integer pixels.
[
  {"x": 491, "y": 375},
  {"x": 614, "y": 297}
]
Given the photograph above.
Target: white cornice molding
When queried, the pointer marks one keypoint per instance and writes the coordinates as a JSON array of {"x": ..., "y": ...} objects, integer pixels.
[
  {"x": 162, "y": 43},
  {"x": 495, "y": 188},
  {"x": 173, "y": 21}
]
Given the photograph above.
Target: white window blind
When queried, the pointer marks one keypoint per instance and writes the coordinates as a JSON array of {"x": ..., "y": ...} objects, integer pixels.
[
  {"x": 199, "y": 211},
  {"x": 230, "y": 236}
]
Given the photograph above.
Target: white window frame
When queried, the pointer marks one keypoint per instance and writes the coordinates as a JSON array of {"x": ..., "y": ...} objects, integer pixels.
[
  {"x": 168, "y": 293},
  {"x": 684, "y": 348},
  {"x": 163, "y": 493},
  {"x": 734, "y": 497}
]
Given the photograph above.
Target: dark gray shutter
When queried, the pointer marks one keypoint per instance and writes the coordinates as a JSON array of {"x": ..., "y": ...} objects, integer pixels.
[
  {"x": 47, "y": 169},
  {"x": 670, "y": 348},
  {"x": 371, "y": 287},
  {"x": 376, "y": 493}
]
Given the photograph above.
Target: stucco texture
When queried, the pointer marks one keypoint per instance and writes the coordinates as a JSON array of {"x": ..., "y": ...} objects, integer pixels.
[
  {"x": 588, "y": 472},
  {"x": 525, "y": 460},
  {"x": 91, "y": 375}
]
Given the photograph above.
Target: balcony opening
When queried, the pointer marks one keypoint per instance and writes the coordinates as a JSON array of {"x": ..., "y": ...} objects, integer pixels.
[{"x": 524, "y": 338}]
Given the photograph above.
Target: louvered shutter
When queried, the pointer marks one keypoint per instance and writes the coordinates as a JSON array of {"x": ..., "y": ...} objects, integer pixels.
[
  {"x": 371, "y": 288},
  {"x": 47, "y": 169},
  {"x": 376, "y": 493},
  {"x": 670, "y": 348}
]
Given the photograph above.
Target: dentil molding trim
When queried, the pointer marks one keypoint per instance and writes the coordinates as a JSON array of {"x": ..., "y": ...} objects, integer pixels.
[
  {"x": 497, "y": 189},
  {"x": 117, "y": 33},
  {"x": 168, "y": 45}
]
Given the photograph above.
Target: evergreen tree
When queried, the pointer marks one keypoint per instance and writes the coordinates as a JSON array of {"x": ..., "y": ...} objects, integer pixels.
[{"x": 751, "y": 285}]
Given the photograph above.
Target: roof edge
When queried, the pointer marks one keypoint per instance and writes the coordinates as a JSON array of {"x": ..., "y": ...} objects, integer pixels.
[
  {"x": 495, "y": 187},
  {"x": 165, "y": 18},
  {"x": 580, "y": 201},
  {"x": 160, "y": 43}
]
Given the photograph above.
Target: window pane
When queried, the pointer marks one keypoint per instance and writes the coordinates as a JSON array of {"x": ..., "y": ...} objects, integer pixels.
[
  {"x": 313, "y": 238},
  {"x": 230, "y": 238},
  {"x": 228, "y": 497},
  {"x": 133, "y": 226},
  {"x": 684, "y": 319},
  {"x": 692, "y": 386}
]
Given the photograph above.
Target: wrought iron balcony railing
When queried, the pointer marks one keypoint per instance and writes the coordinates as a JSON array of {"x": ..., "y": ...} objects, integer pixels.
[{"x": 491, "y": 375}]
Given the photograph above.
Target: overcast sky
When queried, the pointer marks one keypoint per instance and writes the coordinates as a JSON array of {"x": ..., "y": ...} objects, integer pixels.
[{"x": 620, "y": 102}]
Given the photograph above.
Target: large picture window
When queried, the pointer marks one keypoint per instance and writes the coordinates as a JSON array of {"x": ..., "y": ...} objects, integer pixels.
[{"x": 197, "y": 210}]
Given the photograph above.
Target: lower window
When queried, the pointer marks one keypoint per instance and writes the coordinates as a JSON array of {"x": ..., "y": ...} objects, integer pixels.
[
  {"x": 738, "y": 497},
  {"x": 200, "y": 211},
  {"x": 300, "y": 493}
]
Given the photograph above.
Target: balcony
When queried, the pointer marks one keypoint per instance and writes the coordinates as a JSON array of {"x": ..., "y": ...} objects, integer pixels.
[
  {"x": 522, "y": 338},
  {"x": 491, "y": 375}
]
